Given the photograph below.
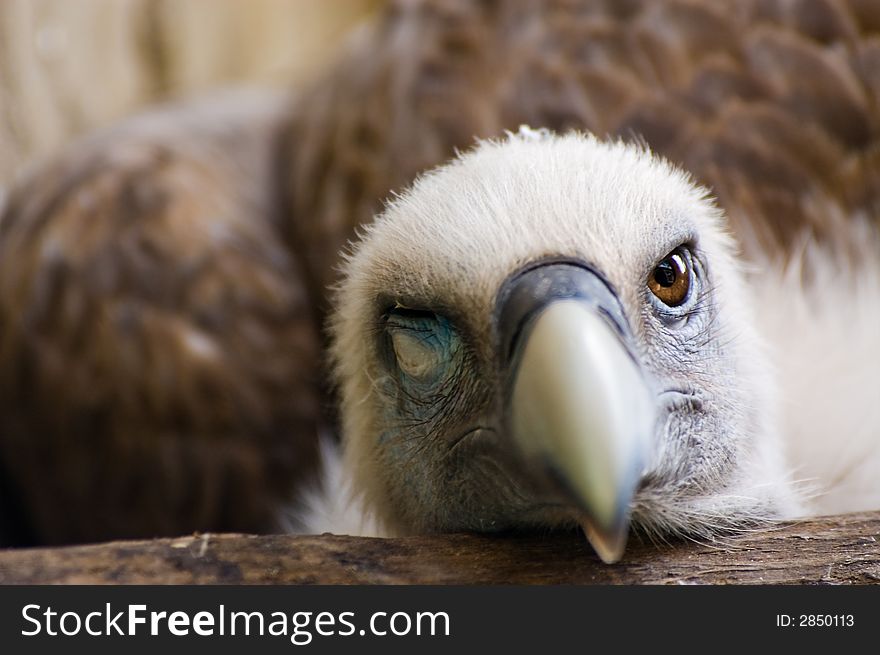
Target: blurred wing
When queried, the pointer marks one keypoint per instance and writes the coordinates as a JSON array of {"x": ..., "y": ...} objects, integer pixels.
[
  {"x": 770, "y": 103},
  {"x": 158, "y": 351}
]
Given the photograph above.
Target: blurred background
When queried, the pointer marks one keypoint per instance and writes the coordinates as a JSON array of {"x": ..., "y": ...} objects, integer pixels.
[{"x": 69, "y": 66}]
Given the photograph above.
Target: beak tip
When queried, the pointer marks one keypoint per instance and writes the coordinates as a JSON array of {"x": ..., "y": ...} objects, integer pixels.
[{"x": 609, "y": 544}]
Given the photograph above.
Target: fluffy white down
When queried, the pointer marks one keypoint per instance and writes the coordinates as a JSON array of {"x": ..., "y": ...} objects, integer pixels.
[
  {"x": 332, "y": 504},
  {"x": 822, "y": 340}
]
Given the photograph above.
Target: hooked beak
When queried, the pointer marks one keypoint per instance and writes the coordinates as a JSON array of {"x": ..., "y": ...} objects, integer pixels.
[{"x": 579, "y": 408}]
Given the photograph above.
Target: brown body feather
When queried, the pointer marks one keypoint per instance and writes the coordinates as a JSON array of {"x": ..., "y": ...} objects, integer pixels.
[
  {"x": 772, "y": 104},
  {"x": 158, "y": 357},
  {"x": 162, "y": 286}
]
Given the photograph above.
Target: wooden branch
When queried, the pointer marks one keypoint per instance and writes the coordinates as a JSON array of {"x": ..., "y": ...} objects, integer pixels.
[{"x": 835, "y": 550}]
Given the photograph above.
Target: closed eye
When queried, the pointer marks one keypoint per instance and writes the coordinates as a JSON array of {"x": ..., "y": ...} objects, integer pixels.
[{"x": 421, "y": 341}]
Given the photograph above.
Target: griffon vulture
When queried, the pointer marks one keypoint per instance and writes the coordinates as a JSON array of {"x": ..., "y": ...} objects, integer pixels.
[{"x": 655, "y": 308}]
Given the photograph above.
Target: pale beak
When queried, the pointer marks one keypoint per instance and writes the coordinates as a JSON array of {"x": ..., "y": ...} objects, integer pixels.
[{"x": 580, "y": 409}]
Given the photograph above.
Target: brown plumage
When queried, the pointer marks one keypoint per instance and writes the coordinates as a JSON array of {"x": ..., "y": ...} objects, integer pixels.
[
  {"x": 163, "y": 285},
  {"x": 771, "y": 104},
  {"x": 158, "y": 357}
]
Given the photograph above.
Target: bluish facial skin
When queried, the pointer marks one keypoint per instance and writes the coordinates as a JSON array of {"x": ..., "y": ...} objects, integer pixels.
[
  {"x": 440, "y": 437},
  {"x": 450, "y": 466},
  {"x": 427, "y": 363}
]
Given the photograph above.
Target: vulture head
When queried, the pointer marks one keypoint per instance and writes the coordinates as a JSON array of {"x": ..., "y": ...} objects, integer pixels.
[{"x": 552, "y": 332}]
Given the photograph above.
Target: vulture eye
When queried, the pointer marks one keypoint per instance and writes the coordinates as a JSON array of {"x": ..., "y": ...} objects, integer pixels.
[
  {"x": 670, "y": 280},
  {"x": 421, "y": 342}
]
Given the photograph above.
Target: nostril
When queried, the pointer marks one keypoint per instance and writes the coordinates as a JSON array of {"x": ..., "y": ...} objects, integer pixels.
[{"x": 528, "y": 291}]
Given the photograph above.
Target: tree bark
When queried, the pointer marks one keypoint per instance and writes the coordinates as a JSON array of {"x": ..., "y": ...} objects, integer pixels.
[{"x": 831, "y": 550}]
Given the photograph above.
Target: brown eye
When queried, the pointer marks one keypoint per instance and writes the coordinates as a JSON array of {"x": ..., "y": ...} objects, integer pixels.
[{"x": 670, "y": 281}]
